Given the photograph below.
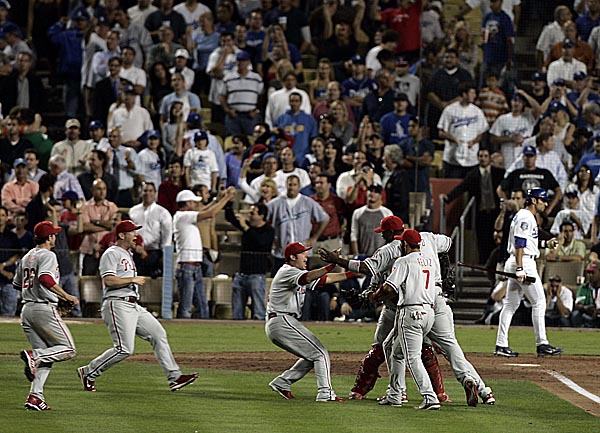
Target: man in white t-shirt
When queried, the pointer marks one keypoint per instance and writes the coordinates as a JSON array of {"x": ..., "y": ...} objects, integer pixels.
[
  {"x": 389, "y": 41},
  {"x": 136, "y": 76},
  {"x": 279, "y": 101},
  {"x": 462, "y": 124},
  {"x": 188, "y": 244},
  {"x": 200, "y": 163}
]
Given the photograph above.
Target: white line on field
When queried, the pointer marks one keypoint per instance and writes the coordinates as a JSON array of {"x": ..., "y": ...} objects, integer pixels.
[{"x": 578, "y": 389}]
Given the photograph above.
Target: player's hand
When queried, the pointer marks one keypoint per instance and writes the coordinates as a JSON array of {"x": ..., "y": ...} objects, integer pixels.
[
  {"x": 345, "y": 309},
  {"x": 72, "y": 299},
  {"x": 521, "y": 275},
  {"x": 327, "y": 256},
  {"x": 140, "y": 281}
]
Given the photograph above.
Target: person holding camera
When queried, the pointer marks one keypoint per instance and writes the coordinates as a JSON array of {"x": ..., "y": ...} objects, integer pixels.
[
  {"x": 559, "y": 302},
  {"x": 587, "y": 301}
]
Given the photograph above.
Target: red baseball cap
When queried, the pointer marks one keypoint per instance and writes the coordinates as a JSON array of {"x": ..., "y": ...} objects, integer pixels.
[
  {"x": 126, "y": 226},
  {"x": 392, "y": 223},
  {"x": 44, "y": 229},
  {"x": 410, "y": 236},
  {"x": 592, "y": 266},
  {"x": 294, "y": 248}
]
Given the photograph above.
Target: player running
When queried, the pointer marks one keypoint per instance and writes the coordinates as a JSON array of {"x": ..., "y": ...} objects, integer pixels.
[
  {"x": 126, "y": 318},
  {"x": 283, "y": 328},
  {"x": 523, "y": 249},
  {"x": 36, "y": 276}
]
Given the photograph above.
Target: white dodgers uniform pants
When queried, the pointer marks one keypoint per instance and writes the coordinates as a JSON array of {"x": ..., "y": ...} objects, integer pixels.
[
  {"x": 292, "y": 336},
  {"x": 534, "y": 293},
  {"x": 412, "y": 324},
  {"x": 125, "y": 320}
]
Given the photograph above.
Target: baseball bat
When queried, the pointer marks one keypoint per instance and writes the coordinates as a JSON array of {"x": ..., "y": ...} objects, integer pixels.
[{"x": 528, "y": 279}]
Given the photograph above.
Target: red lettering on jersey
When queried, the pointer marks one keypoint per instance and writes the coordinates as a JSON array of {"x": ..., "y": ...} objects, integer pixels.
[{"x": 126, "y": 265}]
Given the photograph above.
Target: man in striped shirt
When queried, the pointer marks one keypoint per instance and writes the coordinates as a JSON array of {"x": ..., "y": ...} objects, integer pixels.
[{"x": 241, "y": 89}]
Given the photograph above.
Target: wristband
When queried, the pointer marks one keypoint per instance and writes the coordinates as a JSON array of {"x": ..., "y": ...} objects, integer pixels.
[
  {"x": 520, "y": 268},
  {"x": 322, "y": 281},
  {"x": 350, "y": 274},
  {"x": 354, "y": 265},
  {"x": 543, "y": 244},
  {"x": 330, "y": 267}
]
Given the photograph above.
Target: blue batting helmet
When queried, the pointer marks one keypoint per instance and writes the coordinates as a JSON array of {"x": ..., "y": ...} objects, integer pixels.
[{"x": 539, "y": 193}]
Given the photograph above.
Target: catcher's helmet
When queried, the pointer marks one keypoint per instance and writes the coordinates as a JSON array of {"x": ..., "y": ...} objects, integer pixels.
[{"x": 539, "y": 193}]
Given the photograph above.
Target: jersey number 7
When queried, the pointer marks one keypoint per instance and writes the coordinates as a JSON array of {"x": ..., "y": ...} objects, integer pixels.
[{"x": 426, "y": 272}]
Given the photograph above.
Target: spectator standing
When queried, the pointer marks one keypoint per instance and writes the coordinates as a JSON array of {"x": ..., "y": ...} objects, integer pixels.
[
  {"x": 482, "y": 182},
  {"x": 133, "y": 35},
  {"x": 442, "y": 88},
  {"x": 363, "y": 238},
  {"x": 22, "y": 87},
  {"x": 396, "y": 185},
  {"x": 221, "y": 60},
  {"x": 65, "y": 181},
  {"x": 462, "y": 124},
  {"x": 418, "y": 157},
  {"x": 335, "y": 208},
  {"x": 140, "y": 12},
  {"x": 169, "y": 188},
  {"x": 132, "y": 73},
  {"x": 74, "y": 150},
  {"x": 241, "y": 91},
  {"x": 32, "y": 159},
  {"x": 123, "y": 162},
  {"x": 98, "y": 215},
  {"x": 250, "y": 280},
  {"x": 97, "y": 138},
  {"x": 151, "y": 159},
  {"x": 200, "y": 163},
  {"x": 107, "y": 90},
  {"x": 17, "y": 194},
  {"x": 357, "y": 87},
  {"x": 279, "y": 100},
  {"x": 36, "y": 209},
  {"x": 406, "y": 20},
  {"x": 579, "y": 219},
  {"x": 97, "y": 162},
  {"x": 202, "y": 45},
  {"x": 566, "y": 66},
  {"x": 12, "y": 146},
  {"x": 583, "y": 52},
  {"x": 181, "y": 59},
  {"x": 165, "y": 13},
  {"x": 188, "y": 244},
  {"x": 299, "y": 125},
  {"x": 498, "y": 34},
  {"x": 157, "y": 230},
  {"x": 132, "y": 120},
  {"x": 590, "y": 19},
  {"x": 380, "y": 101},
  {"x": 9, "y": 255},
  {"x": 289, "y": 168},
  {"x": 389, "y": 41},
  {"x": 559, "y": 302},
  {"x": 234, "y": 159},
  {"x": 163, "y": 51},
  {"x": 552, "y": 34},
  {"x": 190, "y": 101},
  {"x": 292, "y": 216},
  {"x": 394, "y": 125}
]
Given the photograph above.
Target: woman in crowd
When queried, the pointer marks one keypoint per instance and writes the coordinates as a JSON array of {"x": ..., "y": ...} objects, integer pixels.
[{"x": 318, "y": 87}]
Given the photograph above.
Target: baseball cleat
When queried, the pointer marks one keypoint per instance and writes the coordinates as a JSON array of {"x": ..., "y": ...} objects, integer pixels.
[
  {"x": 356, "y": 396},
  {"x": 471, "y": 392},
  {"x": 506, "y": 352},
  {"x": 404, "y": 397},
  {"x": 34, "y": 403},
  {"x": 489, "y": 399},
  {"x": 386, "y": 401},
  {"x": 183, "y": 380},
  {"x": 428, "y": 406},
  {"x": 285, "y": 393},
  {"x": 27, "y": 357},
  {"x": 88, "y": 384},
  {"x": 547, "y": 350},
  {"x": 444, "y": 398},
  {"x": 335, "y": 399}
]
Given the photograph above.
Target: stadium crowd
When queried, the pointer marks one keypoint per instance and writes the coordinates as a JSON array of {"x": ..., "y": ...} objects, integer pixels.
[{"x": 300, "y": 121}]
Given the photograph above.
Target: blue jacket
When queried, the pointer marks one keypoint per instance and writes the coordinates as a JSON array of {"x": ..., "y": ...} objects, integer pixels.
[
  {"x": 69, "y": 43},
  {"x": 301, "y": 126}
]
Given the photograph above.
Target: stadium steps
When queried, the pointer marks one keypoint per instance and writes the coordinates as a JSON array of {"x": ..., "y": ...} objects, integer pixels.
[{"x": 473, "y": 297}]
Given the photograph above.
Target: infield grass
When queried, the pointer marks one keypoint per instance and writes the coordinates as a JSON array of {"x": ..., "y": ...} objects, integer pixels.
[{"x": 134, "y": 397}]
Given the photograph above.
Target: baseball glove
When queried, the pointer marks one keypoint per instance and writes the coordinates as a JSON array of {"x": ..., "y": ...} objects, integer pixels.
[
  {"x": 64, "y": 307},
  {"x": 449, "y": 282},
  {"x": 353, "y": 298}
]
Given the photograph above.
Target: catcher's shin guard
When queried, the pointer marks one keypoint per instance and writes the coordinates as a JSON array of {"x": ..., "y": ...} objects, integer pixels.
[
  {"x": 433, "y": 368},
  {"x": 368, "y": 371}
]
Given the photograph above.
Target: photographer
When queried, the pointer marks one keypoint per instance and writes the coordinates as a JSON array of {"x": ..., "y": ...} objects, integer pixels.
[
  {"x": 585, "y": 313},
  {"x": 559, "y": 302}
]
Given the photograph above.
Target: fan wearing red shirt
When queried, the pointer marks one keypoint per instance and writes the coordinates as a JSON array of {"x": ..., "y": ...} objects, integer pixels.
[{"x": 406, "y": 20}]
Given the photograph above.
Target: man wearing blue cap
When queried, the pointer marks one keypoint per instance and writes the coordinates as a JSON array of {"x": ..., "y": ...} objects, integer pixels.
[
  {"x": 358, "y": 86},
  {"x": 583, "y": 92},
  {"x": 97, "y": 138},
  {"x": 239, "y": 98},
  {"x": 566, "y": 66},
  {"x": 531, "y": 176},
  {"x": 511, "y": 129}
]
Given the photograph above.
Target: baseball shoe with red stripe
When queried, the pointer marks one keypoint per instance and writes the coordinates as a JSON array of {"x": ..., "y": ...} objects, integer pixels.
[
  {"x": 34, "y": 403},
  {"x": 471, "y": 392},
  {"x": 426, "y": 405},
  {"x": 285, "y": 393},
  {"x": 489, "y": 399},
  {"x": 88, "y": 384},
  {"x": 27, "y": 357},
  {"x": 386, "y": 401},
  {"x": 183, "y": 380}
]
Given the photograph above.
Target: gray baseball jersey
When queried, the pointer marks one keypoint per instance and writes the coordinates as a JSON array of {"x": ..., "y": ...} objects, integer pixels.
[
  {"x": 118, "y": 262},
  {"x": 287, "y": 294},
  {"x": 412, "y": 277},
  {"x": 37, "y": 262}
]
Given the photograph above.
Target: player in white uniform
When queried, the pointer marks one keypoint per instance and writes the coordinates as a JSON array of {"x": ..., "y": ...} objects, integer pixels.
[
  {"x": 523, "y": 249},
  {"x": 413, "y": 280},
  {"x": 125, "y": 318},
  {"x": 379, "y": 267},
  {"x": 283, "y": 328},
  {"x": 37, "y": 277},
  {"x": 442, "y": 334}
]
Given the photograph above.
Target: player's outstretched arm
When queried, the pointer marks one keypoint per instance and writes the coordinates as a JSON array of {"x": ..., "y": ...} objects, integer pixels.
[{"x": 335, "y": 258}]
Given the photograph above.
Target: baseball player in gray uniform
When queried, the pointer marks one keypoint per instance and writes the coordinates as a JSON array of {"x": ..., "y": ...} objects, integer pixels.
[
  {"x": 125, "y": 318},
  {"x": 37, "y": 277},
  {"x": 379, "y": 267},
  {"x": 523, "y": 249},
  {"x": 413, "y": 280},
  {"x": 442, "y": 334},
  {"x": 283, "y": 328}
]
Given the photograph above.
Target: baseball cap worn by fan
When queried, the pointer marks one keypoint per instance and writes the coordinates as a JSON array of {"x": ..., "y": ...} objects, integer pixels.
[
  {"x": 72, "y": 122},
  {"x": 186, "y": 195},
  {"x": 294, "y": 248},
  {"x": 95, "y": 124},
  {"x": 44, "y": 229},
  {"x": 375, "y": 188},
  {"x": 568, "y": 43},
  {"x": 153, "y": 133},
  {"x": 200, "y": 135},
  {"x": 579, "y": 75},
  {"x": 410, "y": 236},
  {"x": 242, "y": 55},
  {"x": 390, "y": 223},
  {"x": 19, "y": 161},
  {"x": 182, "y": 52},
  {"x": 126, "y": 226},
  {"x": 592, "y": 266},
  {"x": 529, "y": 151},
  {"x": 69, "y": 195},
  {"x": 357, "y": 59}
]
